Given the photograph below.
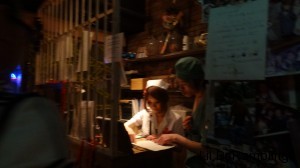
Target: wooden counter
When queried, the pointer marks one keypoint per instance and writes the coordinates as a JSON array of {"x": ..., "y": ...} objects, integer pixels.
[{"x": 89, "y": 156}]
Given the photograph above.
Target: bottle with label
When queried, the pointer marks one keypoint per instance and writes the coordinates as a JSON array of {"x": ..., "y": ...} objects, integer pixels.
[
  {"x": 185, "y": 43},
  {"x": 152, "y": 46},
  {"x": 175, "y": 42}
]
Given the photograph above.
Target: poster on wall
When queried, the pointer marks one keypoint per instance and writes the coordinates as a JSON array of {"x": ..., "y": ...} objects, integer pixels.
[
  {"x": 113, "y": 48},
  {"x": 236, "y": 47},
  {"x": 84, "y": 51}
]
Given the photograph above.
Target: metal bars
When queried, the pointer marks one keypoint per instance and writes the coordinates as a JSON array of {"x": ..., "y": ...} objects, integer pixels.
[{"x": 72, "y": 56}]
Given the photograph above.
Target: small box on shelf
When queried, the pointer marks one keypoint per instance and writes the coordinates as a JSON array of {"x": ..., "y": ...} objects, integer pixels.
[{"x": 138, "y": 83}]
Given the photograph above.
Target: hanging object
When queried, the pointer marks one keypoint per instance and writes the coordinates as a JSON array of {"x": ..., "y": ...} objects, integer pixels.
[
  {"x": 201, "y": 41},
  {"x": 171, "y": 17},
  {"x": 170, "y": 20}
]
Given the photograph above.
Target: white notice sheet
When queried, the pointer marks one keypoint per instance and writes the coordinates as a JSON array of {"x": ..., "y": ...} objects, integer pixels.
[{"x": 236, "y": 47}]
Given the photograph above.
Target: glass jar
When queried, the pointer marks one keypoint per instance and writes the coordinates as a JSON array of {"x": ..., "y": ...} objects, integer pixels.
[
  {"x": 201, "y": 41},
  {"x": 175, "y": 42},
  {"x": 152, "y": 47}
]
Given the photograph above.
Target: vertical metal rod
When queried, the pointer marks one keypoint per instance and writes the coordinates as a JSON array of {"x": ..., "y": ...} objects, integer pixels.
[
  {"x": 89, "y": 10},
  {"x": 96, "y": 97},
  {"x": 71, "y": 12},
  {"x": 61, "y": 26},
  {"x": 115, "y": 81},
  {"x": 52, "y": 16},
  {"x": 105, "y": 103},
  {"x": 56, "y": 18},
  {"x": 50, "y": 39},
  {"x": 82, "y": 11},
  {"x": 47, "y": 59},
  {"x": 51, "y": 60},
  {"x": 45, "y": 11},
  {"x": 69, "y": 65},
  {"x": 55, "y": 33},
  {"x": 76, "y": 13},
  {"x": 44, "y": 64},
  {"x": 46, "y": 22},
  {"x": 88, "y": 73},
  {"x": 66, "y": 8},
  {"x": 81, "y": 72}
]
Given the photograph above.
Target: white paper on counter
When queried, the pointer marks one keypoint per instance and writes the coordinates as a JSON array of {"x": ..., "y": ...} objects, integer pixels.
[{"x": 150, "y": 145}]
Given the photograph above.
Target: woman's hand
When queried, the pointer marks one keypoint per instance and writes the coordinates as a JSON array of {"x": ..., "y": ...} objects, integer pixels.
[
  {"x": 151, "y": 137},
  {"x": 187, "y": 123},
  {"x": 166, "y": 139}
]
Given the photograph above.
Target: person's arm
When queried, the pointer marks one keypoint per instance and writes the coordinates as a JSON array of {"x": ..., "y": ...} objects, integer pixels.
[
  {"x": 167, "y": 139},
  {"x": 131, "y": 129},
  {"x": 178, "y": 128},
  {"x": 131, "y": 125}
]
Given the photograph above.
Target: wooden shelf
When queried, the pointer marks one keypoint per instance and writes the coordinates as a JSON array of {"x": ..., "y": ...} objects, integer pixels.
[
  {"x": 272, "y": 134},
  {"x": 284, "y": 105},
  {"x": 199, "y": 52},
  {"x": 283, "y": 74},
  {"x": 279, "y": 45}
]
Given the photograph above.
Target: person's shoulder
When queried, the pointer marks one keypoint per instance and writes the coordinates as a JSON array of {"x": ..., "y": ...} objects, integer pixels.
[
  {"x": 32, "y": 102},
  {"x": 33, "y": 99},
  {"x": 142, "y": 112},
  {"x": 175, "y": 115},
  {"x": 38, "y": 100},
  {"x": 10, "y": 100}
]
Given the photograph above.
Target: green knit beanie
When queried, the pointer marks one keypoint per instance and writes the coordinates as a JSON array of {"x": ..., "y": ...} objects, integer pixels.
[{"x": 189, "y": 68}]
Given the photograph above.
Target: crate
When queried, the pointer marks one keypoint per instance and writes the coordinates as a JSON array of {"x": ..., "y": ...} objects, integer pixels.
[{"x": 138, "y": 83}]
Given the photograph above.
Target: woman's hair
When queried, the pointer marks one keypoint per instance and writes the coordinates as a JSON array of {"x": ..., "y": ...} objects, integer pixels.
[{"x": 161, "y": 95}]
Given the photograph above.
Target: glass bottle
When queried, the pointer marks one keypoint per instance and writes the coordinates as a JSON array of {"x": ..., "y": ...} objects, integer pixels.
[
  {"x": 175, "y": 42},
  {"x": 151, "y": 46}
]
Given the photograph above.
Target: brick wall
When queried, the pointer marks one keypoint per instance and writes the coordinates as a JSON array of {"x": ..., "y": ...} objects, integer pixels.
[{"x": 191, "y": 21}]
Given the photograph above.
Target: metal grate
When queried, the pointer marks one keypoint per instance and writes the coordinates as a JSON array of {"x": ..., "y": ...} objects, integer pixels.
[{"x": 73, "y": 54}]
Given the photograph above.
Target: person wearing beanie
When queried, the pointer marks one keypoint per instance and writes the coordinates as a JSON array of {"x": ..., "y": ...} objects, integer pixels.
[
  {"x": 190, "y": 78},
  {"x": 189, "y": 68}
]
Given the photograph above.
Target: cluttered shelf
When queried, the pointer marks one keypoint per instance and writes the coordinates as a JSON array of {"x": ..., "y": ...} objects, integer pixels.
[
  {"x": 284, "y": 43},
  {"x": 198, "y": 52},
  {"x": 275, "y": 46},
  {"x": 283, "y": 74}
]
